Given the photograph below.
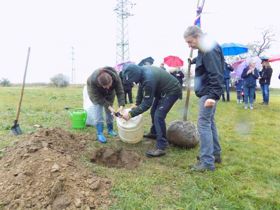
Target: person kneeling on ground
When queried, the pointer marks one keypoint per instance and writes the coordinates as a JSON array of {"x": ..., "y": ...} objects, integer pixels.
[
  {"x": 159, "y": 89},
  {"x": 102, "y": 86}
]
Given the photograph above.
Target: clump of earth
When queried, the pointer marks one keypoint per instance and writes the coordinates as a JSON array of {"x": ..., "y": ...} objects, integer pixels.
[
  {"x": 118, "y": 158},
  {"x": 43, "y": 171}
]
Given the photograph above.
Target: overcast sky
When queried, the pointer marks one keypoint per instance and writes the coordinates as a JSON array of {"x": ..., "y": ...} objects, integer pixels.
[{"x": 52, "y": 27}]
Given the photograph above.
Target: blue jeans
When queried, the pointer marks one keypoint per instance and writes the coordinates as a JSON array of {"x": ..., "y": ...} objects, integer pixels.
[
  {"x": 265, "y": 93},
  {"x": 209, "y": 141},
  {"x": 159, "y": 110},
  {"x": 95, "y": 115},
  {"x": 249, "y": 95},
  {"x": 227, "y": 90}
]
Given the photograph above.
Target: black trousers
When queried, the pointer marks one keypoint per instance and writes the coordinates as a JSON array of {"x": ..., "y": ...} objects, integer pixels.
[{"x": 129, "y": 94}]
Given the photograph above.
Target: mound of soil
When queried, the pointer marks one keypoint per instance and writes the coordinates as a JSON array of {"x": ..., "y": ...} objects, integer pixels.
[
  {"x": 117, "y": 158},
  {"x": 42, "y": 171}
]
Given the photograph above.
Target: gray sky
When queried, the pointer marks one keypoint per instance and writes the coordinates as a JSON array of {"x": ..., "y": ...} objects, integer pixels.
[{"x": 52, "y": 27}]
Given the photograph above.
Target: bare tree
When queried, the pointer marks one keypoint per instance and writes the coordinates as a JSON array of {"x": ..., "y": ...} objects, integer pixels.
[
  {"x": 5, "y": 82},
  {"x": 258, "y": 47},
  {"x": 60, "y": 80}
]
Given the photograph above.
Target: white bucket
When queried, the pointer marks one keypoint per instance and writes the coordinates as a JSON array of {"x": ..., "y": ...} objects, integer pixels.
[
  {"x": 88, "y": 106},
  {"x": 131, "y": 131}
]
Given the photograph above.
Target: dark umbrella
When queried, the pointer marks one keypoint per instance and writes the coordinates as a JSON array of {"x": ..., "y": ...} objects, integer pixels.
[
  {"x": 146, "y": 61},
  {"x": 233, "y": 49},
  {"x": 173, "y": 61}
]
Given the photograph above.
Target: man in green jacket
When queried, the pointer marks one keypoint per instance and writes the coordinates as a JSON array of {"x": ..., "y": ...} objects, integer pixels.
[
  {"x": 102, "y": 86},
  {"x": 159, "y": 89}
]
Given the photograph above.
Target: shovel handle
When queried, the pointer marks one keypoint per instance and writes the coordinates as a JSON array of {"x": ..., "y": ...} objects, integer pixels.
[{"x": 23, "y": 85}]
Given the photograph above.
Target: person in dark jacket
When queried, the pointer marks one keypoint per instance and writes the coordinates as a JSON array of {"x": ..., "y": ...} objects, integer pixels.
[
  {"x": 159, "y": 90},
  {"x": 127, "y": 90},
  {"x": 250, "y": 74},
  {"x": 209, "y": 88},
  {"x": 227, "y": 71},
  {"x": 162, "y": 66},
  {"x": 102, "y": 86},
  {"x": 264, "y": 80},
  {"x": 177, "y": 73},
  {"x": 239, "y": 88}
]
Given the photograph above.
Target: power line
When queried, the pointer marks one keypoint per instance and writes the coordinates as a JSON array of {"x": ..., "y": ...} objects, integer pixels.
[
  {"x": 122, "y": 10},
  {"x": 73, "y": 79}
]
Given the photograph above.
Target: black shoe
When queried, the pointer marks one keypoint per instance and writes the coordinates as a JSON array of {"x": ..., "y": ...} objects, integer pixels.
[
  {"x": 218, "y": 158},
  {"x": 155, "y": 153},
  {"x": 150, "y": 136}
]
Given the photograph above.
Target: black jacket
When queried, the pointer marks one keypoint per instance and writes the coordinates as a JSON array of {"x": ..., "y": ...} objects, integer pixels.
[
  {"x": 209, "y": 73},
  {"x": 227, "y": 71},
  {"x": 250, "y": 79},
  {"x": 153, "y": 83},
  {"x": 265, "y": 75},
  {"x": 126, "y": 86},
  {"x": 179, "y": 75}
]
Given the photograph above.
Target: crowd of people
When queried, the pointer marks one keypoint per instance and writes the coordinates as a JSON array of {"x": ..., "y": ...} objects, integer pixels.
[
  {"x": 246, "y": 84},
  {"x": 158, "y": 90}
]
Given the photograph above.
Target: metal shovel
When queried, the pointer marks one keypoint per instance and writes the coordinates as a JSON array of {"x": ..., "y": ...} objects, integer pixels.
[{"x": 15, "y": 128}]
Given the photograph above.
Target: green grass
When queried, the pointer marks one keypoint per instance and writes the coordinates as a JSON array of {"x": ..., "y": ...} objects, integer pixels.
[{"x": 248, "y": 178}]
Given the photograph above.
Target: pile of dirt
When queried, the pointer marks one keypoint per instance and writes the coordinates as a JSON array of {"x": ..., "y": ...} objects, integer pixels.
[
  {"x": 43, "y": 171},
  {"x": 118, "y": 158}
]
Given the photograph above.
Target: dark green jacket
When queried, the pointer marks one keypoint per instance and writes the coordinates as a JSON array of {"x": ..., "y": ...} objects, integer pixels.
[
  {"x": 102, "y": 96},
  {"x": 153, "y": 83}
]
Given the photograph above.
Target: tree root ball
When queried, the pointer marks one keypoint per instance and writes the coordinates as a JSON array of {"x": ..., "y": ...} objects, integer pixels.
[{"x": 182, "y": 134}]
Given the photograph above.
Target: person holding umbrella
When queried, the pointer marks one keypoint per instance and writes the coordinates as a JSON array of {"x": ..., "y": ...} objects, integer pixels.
[
  {"x": 208, "y": 87},
  {"x": 178, "y": 73},
  {"x": 159, "y": 90},
  {"x": 102, "y": 86},
  {"x": 264, "y": 80},
  {"x": 250, "y": 74}
]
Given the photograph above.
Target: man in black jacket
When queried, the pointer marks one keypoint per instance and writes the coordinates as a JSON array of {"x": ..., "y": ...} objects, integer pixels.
[
  {"x": 209, "y": 88},
  {"x": 159, "y": 90},
  {"x": 228, "y": 69},
  {"x": 127, "y": 87}
]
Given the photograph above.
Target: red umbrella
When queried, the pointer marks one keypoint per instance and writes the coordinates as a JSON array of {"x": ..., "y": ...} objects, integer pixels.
[
  {"x": 274, "y": 58},
  {"x": 173, "y": 61}
]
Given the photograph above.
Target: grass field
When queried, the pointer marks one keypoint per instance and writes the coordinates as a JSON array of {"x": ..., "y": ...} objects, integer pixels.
[{"x": 248, "y": 178}]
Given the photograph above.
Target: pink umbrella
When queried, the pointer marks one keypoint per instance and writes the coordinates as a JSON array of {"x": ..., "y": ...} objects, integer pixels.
[
  {"x": 238, "y": 68},
  {"x": 120, "y": 66},
  {"x": 237, "y": 63},
  {"x": 274, "y": 58},
  {"x": 240, "y": 65}
]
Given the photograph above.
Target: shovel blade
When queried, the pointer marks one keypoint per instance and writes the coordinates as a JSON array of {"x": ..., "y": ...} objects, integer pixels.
[{"x": 16, "y": 129}]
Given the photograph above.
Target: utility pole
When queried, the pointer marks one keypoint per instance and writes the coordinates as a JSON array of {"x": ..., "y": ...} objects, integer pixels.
[
  {"x": 122, "y": 10},
  {"x": 73, "y": 65}
]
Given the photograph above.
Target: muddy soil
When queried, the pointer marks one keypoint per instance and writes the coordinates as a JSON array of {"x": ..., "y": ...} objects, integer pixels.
[
  {"x": 43, "y": 171},
  {"x": 118, "y": 158}
]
